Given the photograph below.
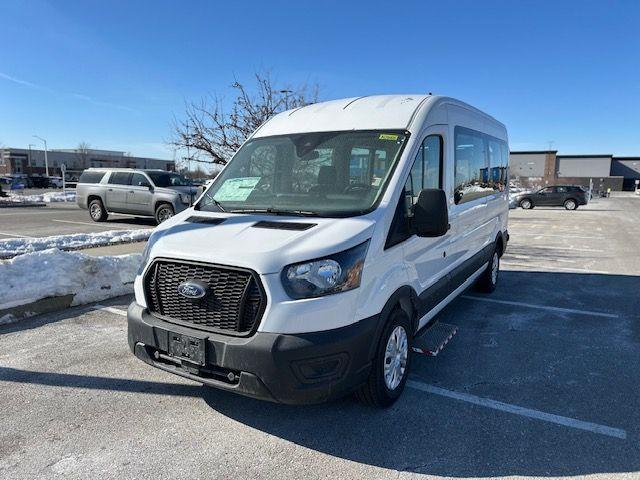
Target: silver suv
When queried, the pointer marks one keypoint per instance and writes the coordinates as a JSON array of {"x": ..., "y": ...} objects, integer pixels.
[{"x": 153, "y": 193}]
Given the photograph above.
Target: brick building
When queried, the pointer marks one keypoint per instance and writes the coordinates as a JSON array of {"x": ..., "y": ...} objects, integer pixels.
[{"x": 545, "y": 167}]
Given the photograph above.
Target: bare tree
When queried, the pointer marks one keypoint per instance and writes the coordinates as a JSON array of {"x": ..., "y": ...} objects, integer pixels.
[
  {"x": 82, "y": 154},
  {"x": 208, "y": 129}
]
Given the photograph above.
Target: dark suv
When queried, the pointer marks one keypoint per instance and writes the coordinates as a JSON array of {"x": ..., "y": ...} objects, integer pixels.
[{"x": 567, "y": 196}]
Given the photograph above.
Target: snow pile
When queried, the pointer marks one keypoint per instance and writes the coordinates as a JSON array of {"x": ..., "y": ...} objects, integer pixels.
[
  {"x": 17, "y": 246},
  {"x": 33, "y": 276},
  {"x": 48, "y": 197}
]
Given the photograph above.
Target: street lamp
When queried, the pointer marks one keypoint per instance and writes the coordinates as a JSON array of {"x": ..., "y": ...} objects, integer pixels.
[
  {"x": 46, "y": 160},
  {"x": 286, "y": 97}
]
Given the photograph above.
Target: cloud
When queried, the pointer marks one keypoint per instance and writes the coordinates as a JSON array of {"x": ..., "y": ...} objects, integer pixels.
[
  {"x": 77, "y": 96},
  {"x": 21, "y": 82}
]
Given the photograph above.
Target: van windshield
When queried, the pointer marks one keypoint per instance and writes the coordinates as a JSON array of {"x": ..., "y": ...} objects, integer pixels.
[{"x": 321, "y": 174}]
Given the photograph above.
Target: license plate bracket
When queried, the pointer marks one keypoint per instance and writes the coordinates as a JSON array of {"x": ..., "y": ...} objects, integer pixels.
[{"x": 187, "y": 348}]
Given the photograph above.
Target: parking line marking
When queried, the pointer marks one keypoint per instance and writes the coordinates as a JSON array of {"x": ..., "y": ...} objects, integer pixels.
[
  {"x": 517, "y": 410},
  {"x": 551, "y": 235},
  {"x": 94, "y": 224},
  {"x": 117, "y": 311},
  {"x": 594, "y": 250},
  {"x": 541, "y": 307},
  {"x": 15, "y": 235},
  {"x": 548, "y": 267}
]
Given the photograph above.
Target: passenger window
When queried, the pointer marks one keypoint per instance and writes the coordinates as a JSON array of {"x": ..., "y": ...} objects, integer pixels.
[
  {"x": 426, "y": 172},
  {"x": 119, "y": 178},
  {"x": 548, "y": 190},
  {"x": 139, "y": 180},
  {"x": 498, "y": 174},
  {"x": 471, "y": 166},
  {"x": 561, "y": 189}
]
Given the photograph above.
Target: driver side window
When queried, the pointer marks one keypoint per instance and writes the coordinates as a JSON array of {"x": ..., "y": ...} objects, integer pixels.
[{"x": 426, "y": 172}]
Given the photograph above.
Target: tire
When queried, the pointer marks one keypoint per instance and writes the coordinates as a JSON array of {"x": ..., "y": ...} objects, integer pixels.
[
  {"x": 97, "y": 212},
  {"x": 488, "y": 281},
  {"x": 526, "y": 204},
  {"x": 164, "y": 211},
  {"x": 382, "y": 390},
  {"x": 570, "y": 204}
]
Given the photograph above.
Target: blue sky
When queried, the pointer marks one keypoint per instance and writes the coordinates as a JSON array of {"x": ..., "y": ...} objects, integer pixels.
[{"x": 115, "y": 73}]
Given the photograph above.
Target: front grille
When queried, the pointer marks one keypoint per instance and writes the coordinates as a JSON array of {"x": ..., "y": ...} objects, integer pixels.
[{"x": 233, "y": 304}]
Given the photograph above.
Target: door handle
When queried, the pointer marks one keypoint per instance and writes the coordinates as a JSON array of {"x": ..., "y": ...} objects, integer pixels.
[
  {"x": 132, "y": 191},
  {"x": 110, "y": 190}
]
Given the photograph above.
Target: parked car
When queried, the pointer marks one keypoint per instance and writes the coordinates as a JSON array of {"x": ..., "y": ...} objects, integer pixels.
[
  {"x": 323, "y": 250},
  {"x": 39, "y": 182},
  {"x": 55, "y": 182},
  {"x": 567, "y": 196},
  {"x": 153, "y": 193}
]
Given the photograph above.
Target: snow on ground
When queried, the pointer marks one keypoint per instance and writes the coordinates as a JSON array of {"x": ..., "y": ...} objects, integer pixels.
[
  {"x": 17, "y": 246},
  {"x": 34, "y": 276},
  {"x": 47, "y": 197}
]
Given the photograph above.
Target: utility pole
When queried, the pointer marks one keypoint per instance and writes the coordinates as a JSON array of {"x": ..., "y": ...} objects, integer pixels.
[{"x": 46, "y": 160}]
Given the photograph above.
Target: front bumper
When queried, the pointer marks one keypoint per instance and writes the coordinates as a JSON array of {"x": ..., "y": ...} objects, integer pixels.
[{"x": 287, "y": 368}]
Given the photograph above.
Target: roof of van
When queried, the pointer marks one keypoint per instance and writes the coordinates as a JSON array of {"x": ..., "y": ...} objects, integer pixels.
[
  {"x": 376, "y": 112},
  {"x": 124, "y": 169}
]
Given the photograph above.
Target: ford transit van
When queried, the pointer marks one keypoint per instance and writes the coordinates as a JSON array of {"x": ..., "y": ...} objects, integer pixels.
[{"x": 325, "y": 248}]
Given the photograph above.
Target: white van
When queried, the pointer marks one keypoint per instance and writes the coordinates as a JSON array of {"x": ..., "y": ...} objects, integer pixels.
[{"x": 325, "y": 248}]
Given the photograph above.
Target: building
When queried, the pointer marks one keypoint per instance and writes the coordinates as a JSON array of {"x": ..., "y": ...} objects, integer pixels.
[
  {"x": 629, "y": 169},
  {"x": 545, "y": 167},
  {"x": 31, "y": 162}
]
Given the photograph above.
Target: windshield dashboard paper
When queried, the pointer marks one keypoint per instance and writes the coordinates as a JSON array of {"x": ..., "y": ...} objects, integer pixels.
[{"x": 236, "y": 189}]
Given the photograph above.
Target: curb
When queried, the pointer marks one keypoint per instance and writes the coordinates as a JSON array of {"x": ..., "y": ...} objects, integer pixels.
[{"x": 44, "y": 305}]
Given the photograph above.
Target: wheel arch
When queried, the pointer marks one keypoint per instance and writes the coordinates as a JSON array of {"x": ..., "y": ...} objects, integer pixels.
[
  {"x": 94, "y": 196},
  {"x": 404, "y": 298}
]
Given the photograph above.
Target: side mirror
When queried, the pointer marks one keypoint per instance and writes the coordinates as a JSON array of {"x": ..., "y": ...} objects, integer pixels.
[{"x": 430, "y": 214}]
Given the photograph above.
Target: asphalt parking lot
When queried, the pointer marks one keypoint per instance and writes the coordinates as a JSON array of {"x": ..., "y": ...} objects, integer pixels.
[
  {"x": 541, "y": 381},
  {"x": 61, "y": 219}
]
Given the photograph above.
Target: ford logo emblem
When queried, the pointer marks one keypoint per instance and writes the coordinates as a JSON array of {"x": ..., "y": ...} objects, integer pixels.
[{"x": 192, "y": 289}]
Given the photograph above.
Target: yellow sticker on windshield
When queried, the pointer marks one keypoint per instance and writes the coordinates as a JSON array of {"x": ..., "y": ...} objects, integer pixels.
[{"x": 388, "y": 136}]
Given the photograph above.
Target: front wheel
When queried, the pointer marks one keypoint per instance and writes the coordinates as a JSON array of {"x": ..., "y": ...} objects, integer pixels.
[
  {"x": 164, "y": 212},
  {"x": 570, "y": 204},
  {"x": 390, "y": 367},
  {"x": 526, "y": 204}
]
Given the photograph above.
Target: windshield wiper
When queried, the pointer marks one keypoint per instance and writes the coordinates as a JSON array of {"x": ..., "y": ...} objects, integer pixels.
[
  {"x": 275, "y": 211},
  {"x": 215, "y": 202}
]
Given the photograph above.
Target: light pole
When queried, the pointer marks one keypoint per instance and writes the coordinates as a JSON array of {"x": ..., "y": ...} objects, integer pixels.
[
  {"x": 46, "y": 160},
  {"x": 286, "y": 98}
]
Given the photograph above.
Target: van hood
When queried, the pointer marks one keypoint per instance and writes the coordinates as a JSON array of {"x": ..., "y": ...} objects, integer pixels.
[{"x": 240, "y": 240}]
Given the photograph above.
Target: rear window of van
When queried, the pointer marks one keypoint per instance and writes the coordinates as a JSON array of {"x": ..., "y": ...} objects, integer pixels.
[{"x": 91, "y": 177}]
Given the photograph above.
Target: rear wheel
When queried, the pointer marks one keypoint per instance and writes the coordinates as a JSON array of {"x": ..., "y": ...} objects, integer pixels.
[
  {"x": 164, "y": 211},
  {"x": 570, "y": 204},
  {"x": 488, "y": 281},
  {"x": 390, "y": 367},
  {"x": 526, "y": 203},
  {"x": 97, "y": 212}
]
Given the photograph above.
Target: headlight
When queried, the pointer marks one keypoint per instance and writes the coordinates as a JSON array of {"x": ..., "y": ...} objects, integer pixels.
[
  {"x": 324, "y": 276},
  {"x": 153, "y": 238}
]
